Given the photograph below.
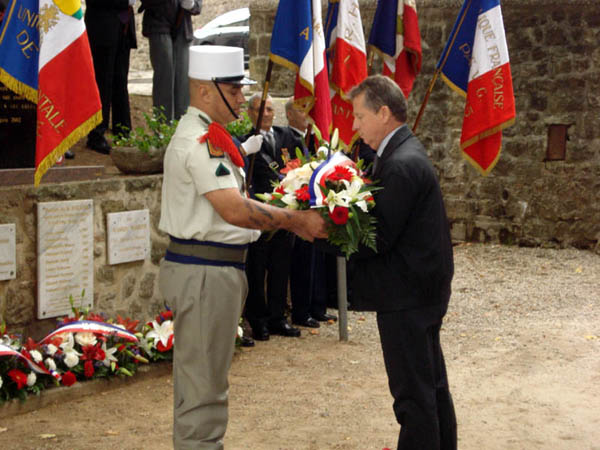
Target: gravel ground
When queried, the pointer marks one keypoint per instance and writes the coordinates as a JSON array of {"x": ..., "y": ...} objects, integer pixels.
[{"x": 522, "y": 346}]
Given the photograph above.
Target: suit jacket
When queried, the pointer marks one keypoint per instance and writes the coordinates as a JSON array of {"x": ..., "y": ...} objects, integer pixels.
[
  {"x": 413, "y": 266},
  {"x": 269, "y": 161},
  {"x": 167, "y": 16},
  {"x": 103, "y": 24}
]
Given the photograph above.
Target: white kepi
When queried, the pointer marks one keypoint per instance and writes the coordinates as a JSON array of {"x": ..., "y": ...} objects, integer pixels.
[{"x": 218, "y": 63}]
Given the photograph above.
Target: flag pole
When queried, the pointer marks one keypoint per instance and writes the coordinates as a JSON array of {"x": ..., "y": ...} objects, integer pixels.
[
  {"x": 439, "y": 69},
  {"x": 261, "y": 111}
]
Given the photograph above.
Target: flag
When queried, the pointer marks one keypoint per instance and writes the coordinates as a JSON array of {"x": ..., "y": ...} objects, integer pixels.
[
  {"x": 395, "y": 36},
  {"x": 347, "y": 62},
  {"x": 45, "y": 57},
  {"x": 475, "y": 63},
  {"x": 297, "y": 42}
]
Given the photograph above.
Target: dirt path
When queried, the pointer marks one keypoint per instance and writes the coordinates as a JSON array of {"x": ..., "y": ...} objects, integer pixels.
[{"x": 522, "y": 348}]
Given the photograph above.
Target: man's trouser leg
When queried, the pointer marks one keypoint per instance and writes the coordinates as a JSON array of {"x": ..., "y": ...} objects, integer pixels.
[
  {"x": 414, "y": 362},
  {"x": 207, "y": 303}
]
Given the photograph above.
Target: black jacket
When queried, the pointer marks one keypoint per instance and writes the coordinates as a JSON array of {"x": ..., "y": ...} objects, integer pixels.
[
  {"x": 414, "y": 263},
  {"x": 269, "y": 161},
  {"x": 103, "y": 24},
  {"x": 166, "y": 16}
]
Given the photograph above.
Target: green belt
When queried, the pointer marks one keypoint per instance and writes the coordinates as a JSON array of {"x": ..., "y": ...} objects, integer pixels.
[{"x": 209, "y": 252}]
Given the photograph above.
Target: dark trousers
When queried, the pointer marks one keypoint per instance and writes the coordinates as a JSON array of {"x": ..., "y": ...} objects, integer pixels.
[
  {"x": 111, "y": 65},
  {"x": 308, "y": 282},
  {"x": 414, "y": 362},
  {"x": 268, "y": 257}
]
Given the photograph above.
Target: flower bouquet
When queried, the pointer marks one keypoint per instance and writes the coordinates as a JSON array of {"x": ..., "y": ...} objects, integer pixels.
[
  {"x": 337, "y": 187},
  {"x": 156, "y": 338}
]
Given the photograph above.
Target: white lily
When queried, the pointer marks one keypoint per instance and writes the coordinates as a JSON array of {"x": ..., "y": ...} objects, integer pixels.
[
  {"x": 108, "y": 355},
  {"x": 51, "y": 349},
  {"x": 290, "y": 201},
  {"x": 337, "y": 199},
  {"x": 160, "y": 332},
  {"x": 71, "y": 355}
]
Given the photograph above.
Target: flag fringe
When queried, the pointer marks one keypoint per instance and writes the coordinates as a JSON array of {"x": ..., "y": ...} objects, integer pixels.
[
  {"x": 78, "y": 133},
  {"x": 487, "y": 133},
  {"x": 18, "y": 87}
]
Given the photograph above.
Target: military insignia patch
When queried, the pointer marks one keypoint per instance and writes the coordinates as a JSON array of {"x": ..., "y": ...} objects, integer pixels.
[
  {"x": 214, "y": 152},
  {"x": 222, "y": 170}
]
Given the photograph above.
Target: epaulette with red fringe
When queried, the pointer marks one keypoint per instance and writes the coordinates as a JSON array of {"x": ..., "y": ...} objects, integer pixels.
[{"x": 220, "y": 142}]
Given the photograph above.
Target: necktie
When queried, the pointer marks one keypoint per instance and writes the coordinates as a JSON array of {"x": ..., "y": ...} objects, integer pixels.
[
  {"x": 270, "y": 141},
  {"x": 375, "y": 161}
]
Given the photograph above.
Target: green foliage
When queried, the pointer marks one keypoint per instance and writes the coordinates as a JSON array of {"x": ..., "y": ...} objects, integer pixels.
[
  {"x": 156, "y": 134},
  {"x": 240, "y": 127}
]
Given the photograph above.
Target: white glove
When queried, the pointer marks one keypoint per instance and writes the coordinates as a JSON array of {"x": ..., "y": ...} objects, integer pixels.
[
  {"x": 132, "y": 2},
  {"x": 252, "y": 144},
  {"x": 187, "y": 4}
]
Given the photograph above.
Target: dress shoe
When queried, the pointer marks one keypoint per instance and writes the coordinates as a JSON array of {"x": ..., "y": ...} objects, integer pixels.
[
  {"x": 246, "y": 341},
  {"x": 260, "y": 333},
  {"x": 284, "y": 329},
  {"x": 69, "y": 154},
  {"x": 324, "y": 317},
  {"x": 310, "y": 323},
  {"x": 100, "y": 146}
]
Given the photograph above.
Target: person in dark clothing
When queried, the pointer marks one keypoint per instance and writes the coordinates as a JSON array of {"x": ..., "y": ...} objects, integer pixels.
[
  {"x": 407, "y": 282},
  {"x": 168, "y": 26},
  {"x": 111, "y": 31},
  {"x": 270, "y": 256}
]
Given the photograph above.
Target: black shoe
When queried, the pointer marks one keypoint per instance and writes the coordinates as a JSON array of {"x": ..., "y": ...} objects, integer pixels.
[
  {"x": 246, "y": 341},
  {"x": 69, "y": 154},
  {"x": 99, "y": 145},
  {"x": 284, "y": 329},
  {"x": 260, "y": 333},
  {"x": 324, "y": 317},
  {"x": 310, "y": 323}
]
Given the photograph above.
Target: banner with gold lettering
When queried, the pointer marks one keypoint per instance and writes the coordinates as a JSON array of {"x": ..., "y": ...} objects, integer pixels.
[
  {"x": 475, "y": 63},
  {"x": 45, "y": 57},
  {"x": 347, "y": 56}
]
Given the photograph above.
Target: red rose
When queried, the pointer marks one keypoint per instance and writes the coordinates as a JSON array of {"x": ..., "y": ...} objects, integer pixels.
[
  {"x": 68, "y": 378},
  {"x": 302, "y": 194},
  {"x": 339, "y": 215},
  {"x": 88, "y": 369},
  {"x": 18, "y": 377}
]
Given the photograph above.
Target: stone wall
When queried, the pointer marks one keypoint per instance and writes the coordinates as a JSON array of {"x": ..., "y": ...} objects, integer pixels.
[
  {"x": 129, "y": 289},
  {"x": 555, "y": 62}
]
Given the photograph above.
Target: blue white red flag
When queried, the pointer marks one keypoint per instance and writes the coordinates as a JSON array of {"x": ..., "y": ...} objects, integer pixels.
[
  {"x": 396, "y": 38},
  {"x": 327, "y": 167},
  {"x": 90, "y": 326},
  {"x": 347, "y": 62},
  {"x": 297, "y": 42},
  {"x": 45, "y": 57},
  {"x": 475, "y": 63}
]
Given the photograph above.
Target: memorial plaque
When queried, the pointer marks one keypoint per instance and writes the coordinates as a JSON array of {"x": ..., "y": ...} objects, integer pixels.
[
  {"x": 128, "y": 236},
  {"x": 17, "y": 130},
  {"x": 8, "y": 252},
  {"x": 65, "y": 256}
]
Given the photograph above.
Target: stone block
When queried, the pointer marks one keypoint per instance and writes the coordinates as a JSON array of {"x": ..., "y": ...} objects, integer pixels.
[{"x": 146, "y": 289}]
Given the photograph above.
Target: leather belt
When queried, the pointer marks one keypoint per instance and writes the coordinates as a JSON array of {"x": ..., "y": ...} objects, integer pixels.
[{"x": 191, "y": 251}]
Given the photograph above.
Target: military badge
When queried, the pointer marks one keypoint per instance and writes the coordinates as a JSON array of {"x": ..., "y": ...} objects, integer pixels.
[{"x": 220, "y": 142}]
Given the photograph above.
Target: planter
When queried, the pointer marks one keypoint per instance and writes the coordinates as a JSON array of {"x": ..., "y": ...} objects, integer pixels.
[{"x": 132, "y": 160}]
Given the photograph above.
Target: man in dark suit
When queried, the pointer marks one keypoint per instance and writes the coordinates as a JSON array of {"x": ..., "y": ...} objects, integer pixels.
[
  {"x": 270, "y": 256},
  {"x": 111, "y": 31},
  {"x": 407, "y": 282}
]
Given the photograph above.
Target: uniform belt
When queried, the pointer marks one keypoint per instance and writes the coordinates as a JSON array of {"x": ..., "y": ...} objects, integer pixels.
[{"x": 207, "y": 253}]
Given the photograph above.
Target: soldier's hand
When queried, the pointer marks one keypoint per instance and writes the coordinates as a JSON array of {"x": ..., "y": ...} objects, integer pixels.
[
  {"x": 310, "y": 225},
  {"x": 252, "y": 144}
]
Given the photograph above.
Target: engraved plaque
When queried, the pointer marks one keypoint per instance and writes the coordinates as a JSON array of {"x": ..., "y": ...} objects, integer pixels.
[
  {"x": 65, "y": 256},
  {"x": 8, "y": 252},
  {"x": 128, "y": 236}
]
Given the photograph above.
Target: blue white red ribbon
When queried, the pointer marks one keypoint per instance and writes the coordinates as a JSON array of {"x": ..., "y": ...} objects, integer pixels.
[{"x": 90, "y": 326}]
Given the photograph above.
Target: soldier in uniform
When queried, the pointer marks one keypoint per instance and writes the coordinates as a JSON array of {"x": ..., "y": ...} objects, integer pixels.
[{"x": 210, "y": 221}]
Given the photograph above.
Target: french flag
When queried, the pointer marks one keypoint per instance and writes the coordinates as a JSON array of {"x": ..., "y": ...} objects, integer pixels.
[
  {"x": 395, "y": 36},
  {"x": 90, "y": 326},
  {"x": 347, "y": 62},
  {"x": 475, "y": 63},
  {"x": 45, "y": 56},
  {"x": 298, "y": 42}
]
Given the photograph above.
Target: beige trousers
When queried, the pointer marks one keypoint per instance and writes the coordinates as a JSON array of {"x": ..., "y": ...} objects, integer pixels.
[{"x": 207, "y": 304}]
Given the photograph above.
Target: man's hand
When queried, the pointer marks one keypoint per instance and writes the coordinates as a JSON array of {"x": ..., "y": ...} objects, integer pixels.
[
  {"x": 309, "y": 225},
  {"x": 252, "y": 144}
]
